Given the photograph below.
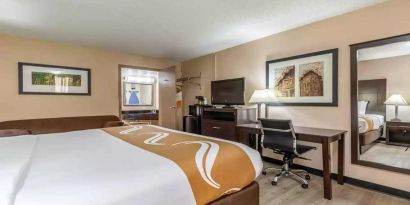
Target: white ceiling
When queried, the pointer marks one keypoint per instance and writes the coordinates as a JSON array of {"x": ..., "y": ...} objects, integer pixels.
[
  {"x": 385, "y": 51},
  {"x": 174, "y": 29}
]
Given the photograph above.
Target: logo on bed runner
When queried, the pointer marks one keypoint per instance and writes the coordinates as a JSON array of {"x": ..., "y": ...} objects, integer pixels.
[
  {"x": 207, "y": 152},
  {"x": 199, "y": 158},
  {"x": 157, "y": 137},
  {"x": 205, "y": 155},
  {"x": 131, "y": 130}
]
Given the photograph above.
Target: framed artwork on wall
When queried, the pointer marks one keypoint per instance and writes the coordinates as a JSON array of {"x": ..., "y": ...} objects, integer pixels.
[
  {"x": 40, "y": 79},
  {"x": 304, "y": 80}
]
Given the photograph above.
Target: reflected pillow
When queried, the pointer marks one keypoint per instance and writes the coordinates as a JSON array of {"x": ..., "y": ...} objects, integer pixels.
[{"x": 361, "y": 107}]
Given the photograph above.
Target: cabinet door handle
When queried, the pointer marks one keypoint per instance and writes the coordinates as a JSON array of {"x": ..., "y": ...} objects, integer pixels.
[{"x": 216, "y": 128}]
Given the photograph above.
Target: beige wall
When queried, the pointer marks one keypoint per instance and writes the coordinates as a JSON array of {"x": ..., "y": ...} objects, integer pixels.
[
  {"x": 396, "y": 71},
  {"x": 248, "y": 60},
  {"x": 104, "y": 73},
  {"x": 204, "y": 66}
]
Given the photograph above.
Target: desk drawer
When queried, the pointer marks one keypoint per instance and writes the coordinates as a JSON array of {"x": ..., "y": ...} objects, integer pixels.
[{"x": 220, "y": 130}]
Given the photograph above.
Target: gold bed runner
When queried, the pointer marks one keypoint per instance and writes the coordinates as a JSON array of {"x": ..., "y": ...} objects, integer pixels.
[
  {"x": 213, "y": 168},
  {"x": 369, "y": 121}
]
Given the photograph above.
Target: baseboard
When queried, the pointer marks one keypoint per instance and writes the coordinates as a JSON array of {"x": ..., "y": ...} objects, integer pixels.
[{"x": 349, "y": 180}]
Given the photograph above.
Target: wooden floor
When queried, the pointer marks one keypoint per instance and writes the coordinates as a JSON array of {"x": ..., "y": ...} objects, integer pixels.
[
  {"x": 391, "y": 155},
  {"x": 290, "y": 192}
]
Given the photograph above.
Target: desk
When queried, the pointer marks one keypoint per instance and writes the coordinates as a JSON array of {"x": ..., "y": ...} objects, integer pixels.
[{"x": 309, "y": 134}]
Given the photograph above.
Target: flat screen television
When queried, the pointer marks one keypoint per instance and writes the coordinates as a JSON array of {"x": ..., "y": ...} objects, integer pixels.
[{"x": 228, "y": 92}]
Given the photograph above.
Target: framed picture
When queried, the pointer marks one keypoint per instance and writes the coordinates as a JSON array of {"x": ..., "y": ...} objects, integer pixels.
[
  {"x": 138, "y": 94},
  {"x": 39, "y": 79},
  {"x": 304, "y": 80}
]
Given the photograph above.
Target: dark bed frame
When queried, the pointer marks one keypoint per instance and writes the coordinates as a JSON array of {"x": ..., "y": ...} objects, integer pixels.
[{"x": 374, "y": 92}]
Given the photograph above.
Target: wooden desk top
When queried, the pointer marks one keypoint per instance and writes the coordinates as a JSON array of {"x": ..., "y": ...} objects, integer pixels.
[{"x": 305, "y": 133}]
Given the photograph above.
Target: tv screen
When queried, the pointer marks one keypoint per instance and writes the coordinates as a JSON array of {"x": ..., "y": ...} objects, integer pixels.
[{"x": 228, "y": 92}]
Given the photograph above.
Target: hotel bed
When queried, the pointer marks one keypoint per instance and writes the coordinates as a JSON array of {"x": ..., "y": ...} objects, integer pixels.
[
  {"x": 372, "y": 112},
  {"x": 370, "y": 130},
  {"x": 126, "y": 165},
  {"x": 369, "y": 122}
]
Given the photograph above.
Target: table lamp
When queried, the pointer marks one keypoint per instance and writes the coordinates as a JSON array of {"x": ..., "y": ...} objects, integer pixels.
[
  {"x": 396, "y": 100},
  {"x": 260, "y": 97}
]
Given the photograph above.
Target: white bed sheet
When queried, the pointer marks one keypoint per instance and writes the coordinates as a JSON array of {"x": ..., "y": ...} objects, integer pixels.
[
  {"x": 378, "y": 120},
  {"x": 93, "y": 168},
  {"x": 15, "y": 159}
]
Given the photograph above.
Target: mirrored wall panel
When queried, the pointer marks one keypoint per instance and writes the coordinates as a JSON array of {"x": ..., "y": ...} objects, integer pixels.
[
  {"x": 383, "y": 112},
  {"x": 138, "y": 94}
]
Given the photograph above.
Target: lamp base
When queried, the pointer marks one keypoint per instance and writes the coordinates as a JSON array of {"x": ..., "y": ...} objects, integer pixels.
[
  {"x": 258, "y": 115},
  {"x": 395, "y": 120}
]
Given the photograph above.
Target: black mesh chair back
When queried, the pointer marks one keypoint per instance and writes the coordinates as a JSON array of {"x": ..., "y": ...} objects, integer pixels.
[{"x": 278, "y": 135}]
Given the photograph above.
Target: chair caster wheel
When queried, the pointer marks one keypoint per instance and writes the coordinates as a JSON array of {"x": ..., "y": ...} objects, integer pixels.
[
  {"x": 305, "y": 186},
  {"x": 274, "y": 183},
  {"x": 263, "y": 172},
  {"x": 307, "y": 177}
]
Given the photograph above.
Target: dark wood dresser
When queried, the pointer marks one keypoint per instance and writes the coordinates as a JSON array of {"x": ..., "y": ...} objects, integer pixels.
[
  {"x": 398, "y": 133},
  {"x": 221, "y": 122}
]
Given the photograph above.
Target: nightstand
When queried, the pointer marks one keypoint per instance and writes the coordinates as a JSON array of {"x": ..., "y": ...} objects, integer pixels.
[{"x": 398, "y": 133}]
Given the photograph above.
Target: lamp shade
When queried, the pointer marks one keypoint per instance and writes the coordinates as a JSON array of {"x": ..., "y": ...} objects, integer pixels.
[
  {"x": 396, "y": 99},
  {"x": 262, "y": 96}
]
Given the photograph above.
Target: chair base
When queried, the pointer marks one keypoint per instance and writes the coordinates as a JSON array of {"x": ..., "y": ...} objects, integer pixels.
[{"x": 299, "y": 175}]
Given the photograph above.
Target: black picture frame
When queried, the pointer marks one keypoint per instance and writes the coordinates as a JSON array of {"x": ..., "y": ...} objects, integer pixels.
[
  {"x": 20, "y": 79},
  {"x": 335, "y": 63}
]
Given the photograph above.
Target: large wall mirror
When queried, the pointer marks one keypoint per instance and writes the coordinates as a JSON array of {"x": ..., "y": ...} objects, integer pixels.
[
  {"x": 380, "y": 93},
  {"x": 138, "y": 94}
]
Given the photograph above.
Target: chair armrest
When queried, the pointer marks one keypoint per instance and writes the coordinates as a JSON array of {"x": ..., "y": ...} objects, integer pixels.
[
  {"x": 13, "y": 132},
  {"x": 113, "y": 124}
]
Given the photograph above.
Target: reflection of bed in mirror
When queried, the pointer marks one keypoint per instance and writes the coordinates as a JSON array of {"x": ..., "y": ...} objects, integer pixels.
[{"x": 372, "y": 112}]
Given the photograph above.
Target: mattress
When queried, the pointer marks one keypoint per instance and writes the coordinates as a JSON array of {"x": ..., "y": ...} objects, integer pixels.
[
  {"x": 96, "y": 167},
  {"x": 370, "y": 122}
]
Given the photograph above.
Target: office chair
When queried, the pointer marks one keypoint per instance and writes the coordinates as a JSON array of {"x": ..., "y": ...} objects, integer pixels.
[{"x": 279, "y": 136}]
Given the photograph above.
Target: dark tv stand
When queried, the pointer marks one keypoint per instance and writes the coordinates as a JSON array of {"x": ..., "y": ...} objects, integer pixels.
[{"x": 221, "y": 122}]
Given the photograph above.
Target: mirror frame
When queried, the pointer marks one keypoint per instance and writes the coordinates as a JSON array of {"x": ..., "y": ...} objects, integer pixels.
[
  {"x": 353, "y": 103},
  {"x": 152, "y": 94}
]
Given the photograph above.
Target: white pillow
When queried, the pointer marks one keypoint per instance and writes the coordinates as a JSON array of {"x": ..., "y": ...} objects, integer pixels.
[{"x": 361, "y": 107}]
